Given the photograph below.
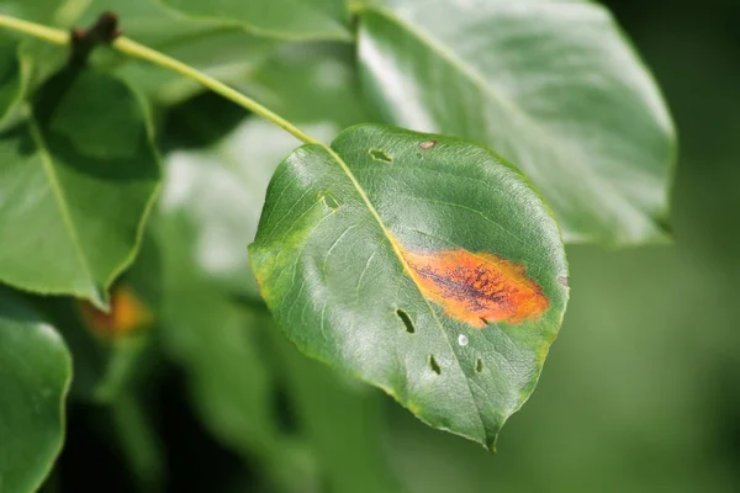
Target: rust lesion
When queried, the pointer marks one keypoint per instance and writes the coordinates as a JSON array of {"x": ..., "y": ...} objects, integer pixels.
[
  {"x": 127, "y": 314},
  {"x": 477, "y": 288}
]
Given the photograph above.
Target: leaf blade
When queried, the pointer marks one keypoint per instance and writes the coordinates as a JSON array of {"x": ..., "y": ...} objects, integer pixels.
[
  {"x": 78, "y": 187},
  {"x": 35, "y": 377},
  {"x": 328, "y": 267},
  {"x": 287, "y": 19}
]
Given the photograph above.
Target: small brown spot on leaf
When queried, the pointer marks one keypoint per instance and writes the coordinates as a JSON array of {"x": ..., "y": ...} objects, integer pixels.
[
  {"x": 127, "y": 313},
  {"x": 428, "y": 144}
]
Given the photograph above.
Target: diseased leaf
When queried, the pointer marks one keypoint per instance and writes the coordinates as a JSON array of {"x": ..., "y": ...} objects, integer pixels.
[
  {"x": 76, "y": 181},
  {"x": 551, "y": 85},
  {"x": 35, "y": 372},
  {"x": 290, "y": 19},
  {"x": 353, "y": 256}
]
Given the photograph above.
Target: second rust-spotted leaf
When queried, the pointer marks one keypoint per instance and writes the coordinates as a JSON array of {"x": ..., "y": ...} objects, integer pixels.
[{"x": 422, "y": 264}]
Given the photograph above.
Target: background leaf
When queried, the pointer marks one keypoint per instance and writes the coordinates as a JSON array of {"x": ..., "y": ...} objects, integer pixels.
[
  {"x": 10, "y": 76},
  {"x": 79, "y": 178},
  {"x": 550, "y": 85},
  {"x": 35, "y": 372},
  {"x": 227, "y": 53},
  {"x": 333, "y": 260},
  {"x": 292, "y": 19},
  {"x": 213, "y": 194}
]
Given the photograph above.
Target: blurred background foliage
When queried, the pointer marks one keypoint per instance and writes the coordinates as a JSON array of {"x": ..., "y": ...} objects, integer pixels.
[{"x": 641, "y": 391}]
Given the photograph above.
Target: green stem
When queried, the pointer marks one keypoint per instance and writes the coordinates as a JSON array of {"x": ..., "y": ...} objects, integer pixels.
[
  {"x": 136, "y": 50},
  {"x": 48, "y": 34}
]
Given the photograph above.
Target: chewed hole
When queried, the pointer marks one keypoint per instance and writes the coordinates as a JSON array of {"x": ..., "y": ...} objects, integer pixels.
[
  {"x": 434, "y": 365},
  {"x": 479, "y": 365},
  {"x": 329, "y": 200},
  {"x": 379, "y": 155},
  {"x": 406, "y": 321}
]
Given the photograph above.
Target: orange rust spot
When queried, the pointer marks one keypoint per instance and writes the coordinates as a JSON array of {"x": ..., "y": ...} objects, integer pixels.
[
  {"x": 477, "y": 288},
  {"x": 127, "y": 313}
]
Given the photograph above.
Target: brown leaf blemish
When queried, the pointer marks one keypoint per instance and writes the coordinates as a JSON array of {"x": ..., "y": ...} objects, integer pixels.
[
  {"x": 477, "y": 288},
  {"x": 127, "y": 313},
  {"x": 428, "y": 144}
]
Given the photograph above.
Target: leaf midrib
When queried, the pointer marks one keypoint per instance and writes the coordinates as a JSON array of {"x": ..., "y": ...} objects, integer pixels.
[
  {"x": 60, "y": 198},
  {"x": 407, "y": 270}
]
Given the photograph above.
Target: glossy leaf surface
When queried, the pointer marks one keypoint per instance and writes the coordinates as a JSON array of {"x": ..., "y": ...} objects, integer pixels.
[
  {"x": 294, "y": 19},
  {"x": 35, "y": 371},
  {"x": 77, "y": 179},
  {"x": 338, "y": 257},
  {"x": 551, "y": 85}
]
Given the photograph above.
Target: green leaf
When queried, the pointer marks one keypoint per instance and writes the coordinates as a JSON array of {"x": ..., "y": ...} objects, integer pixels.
[
  {"x": 10, "y": 76},
  {"x": 551, "y": 85},
  {"x": 35, "y": 372},
  {"x": 288, "y": 19},
  {"x": 313, "y": 83},
  {"x": 345, "y": 417},
  {"x": 78, "y": 178},
  {"x": 422, "y": 264},
  {"x": 216, "y": 341},
  {"x": 213, "y": 195},
  {"x": 227, "y": 53},
  {"x": 211, "y": 200}
]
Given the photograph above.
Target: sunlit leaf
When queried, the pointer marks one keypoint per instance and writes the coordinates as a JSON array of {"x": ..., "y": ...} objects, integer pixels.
[
  {"x": 551, "y": 85},
  {"x": 422, "y": 264},
  {"x": 291, "y": 19},
  {"x": 35, "y": 371}
]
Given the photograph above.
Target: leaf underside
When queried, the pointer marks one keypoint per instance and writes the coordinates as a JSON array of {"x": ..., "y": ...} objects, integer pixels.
[{"x": 419, "y": 263}]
